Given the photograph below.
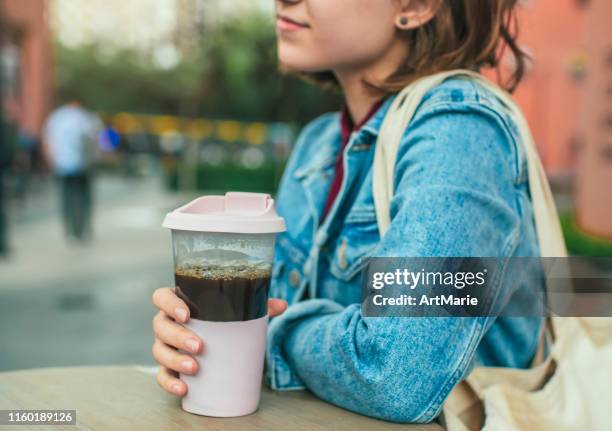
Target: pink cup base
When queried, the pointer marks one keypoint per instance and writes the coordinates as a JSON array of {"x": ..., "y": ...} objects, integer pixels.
[{"x": 229, "y": 379}]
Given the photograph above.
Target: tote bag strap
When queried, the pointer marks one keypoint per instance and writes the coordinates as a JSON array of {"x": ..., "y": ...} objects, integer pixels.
[
  {"x": 397, "y": 118},
  {"x": 396, "y": 121}
]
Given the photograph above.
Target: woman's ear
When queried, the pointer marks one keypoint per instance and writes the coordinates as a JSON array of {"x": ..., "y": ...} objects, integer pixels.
[{"x": 415, "y": 13}]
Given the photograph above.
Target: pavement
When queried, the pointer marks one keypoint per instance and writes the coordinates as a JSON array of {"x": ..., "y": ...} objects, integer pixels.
[{"x": 67, "y": 304}]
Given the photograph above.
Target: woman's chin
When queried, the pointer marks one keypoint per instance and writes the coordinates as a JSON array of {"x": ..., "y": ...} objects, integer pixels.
[
  {"x": 300, "y": 66},
  {"x": 298, "y": 60}
]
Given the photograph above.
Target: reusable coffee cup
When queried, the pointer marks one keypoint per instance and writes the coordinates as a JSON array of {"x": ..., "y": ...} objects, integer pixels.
[{"x": 223, "y": 249}]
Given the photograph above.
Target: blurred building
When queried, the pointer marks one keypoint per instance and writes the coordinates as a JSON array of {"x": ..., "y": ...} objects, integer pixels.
[
  {"x": 26, "y": 54},
  {"x": 566, "y": 96},
  {"x": 594, "y": 182},
  {"x": 552, "y": 33}
]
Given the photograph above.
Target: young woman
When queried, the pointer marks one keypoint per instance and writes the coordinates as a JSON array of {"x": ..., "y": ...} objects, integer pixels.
[{"x": 460, "y": 190}]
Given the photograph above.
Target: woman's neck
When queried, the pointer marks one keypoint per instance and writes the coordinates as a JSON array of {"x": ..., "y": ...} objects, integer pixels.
[{"x": 358, "y": 97}]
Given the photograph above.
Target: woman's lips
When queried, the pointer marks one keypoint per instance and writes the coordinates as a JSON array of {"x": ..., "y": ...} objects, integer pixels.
[{"x": 284, "y": 23}]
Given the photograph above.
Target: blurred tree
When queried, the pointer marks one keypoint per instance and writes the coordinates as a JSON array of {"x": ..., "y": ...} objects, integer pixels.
[
  {"x": 124, "y": 80},
  {"x": 233, "y": 74}
]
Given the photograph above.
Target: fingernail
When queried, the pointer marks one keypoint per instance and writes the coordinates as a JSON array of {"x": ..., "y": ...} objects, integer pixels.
[
  {"x": 181, "y": 313},
  {"x": 187, "y": 365},
  {"x": 192, "y": 345},
  {"x": 176, "y": 388}
]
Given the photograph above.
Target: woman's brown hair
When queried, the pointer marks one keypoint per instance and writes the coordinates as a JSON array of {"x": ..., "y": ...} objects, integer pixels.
[{"x": 462, "y": 34}]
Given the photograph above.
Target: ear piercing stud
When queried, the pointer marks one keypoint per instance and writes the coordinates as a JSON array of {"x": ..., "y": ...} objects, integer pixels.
[{"x": 403, "y": 21}]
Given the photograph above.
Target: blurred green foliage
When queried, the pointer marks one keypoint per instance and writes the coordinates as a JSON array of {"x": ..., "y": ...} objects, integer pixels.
[
  {"x": 581, "y": 243},
  {"x": 233, "y": 73},
  {"x": 229, "y": 176}
]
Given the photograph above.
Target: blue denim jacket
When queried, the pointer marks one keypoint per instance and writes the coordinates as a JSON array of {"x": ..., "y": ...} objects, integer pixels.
[{"x": 460, "y": 190}]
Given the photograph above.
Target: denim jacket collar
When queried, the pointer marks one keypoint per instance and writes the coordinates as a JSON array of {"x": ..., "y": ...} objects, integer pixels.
[
  {"x": 366, "y": 135},
  {"x": 373, "y": 125}
]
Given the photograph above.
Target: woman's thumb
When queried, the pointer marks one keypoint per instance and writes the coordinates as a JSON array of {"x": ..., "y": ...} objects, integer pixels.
[{"x": 276, "y": 306}]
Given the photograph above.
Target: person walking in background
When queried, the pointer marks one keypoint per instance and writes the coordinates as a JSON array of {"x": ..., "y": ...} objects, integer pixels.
[
  {"x": 6, "y": 157},
  {"x": 24, "y": 144},
  {"x": 70, "y": 147}
]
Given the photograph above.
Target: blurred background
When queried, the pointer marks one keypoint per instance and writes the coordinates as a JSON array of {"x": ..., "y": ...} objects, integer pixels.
[{"x": 182, "y": 97}]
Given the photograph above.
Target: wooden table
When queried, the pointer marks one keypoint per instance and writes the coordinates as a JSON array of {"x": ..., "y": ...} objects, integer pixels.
[{"x": 127, "y": 397}]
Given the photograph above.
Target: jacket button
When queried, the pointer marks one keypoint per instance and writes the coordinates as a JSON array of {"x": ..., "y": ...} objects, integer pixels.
[{"x": 294, "y": 278}]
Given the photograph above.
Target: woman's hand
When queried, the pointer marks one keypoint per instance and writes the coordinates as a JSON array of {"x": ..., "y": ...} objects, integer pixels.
[{"x": 170, "y": 335}]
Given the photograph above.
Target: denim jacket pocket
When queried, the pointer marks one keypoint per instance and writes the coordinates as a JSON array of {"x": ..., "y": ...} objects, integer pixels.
[
  {"x": 288, "y": 268},
  {"x": 357, "y": 239}
]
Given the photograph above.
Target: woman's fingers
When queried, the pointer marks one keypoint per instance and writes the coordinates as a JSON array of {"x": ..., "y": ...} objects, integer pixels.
[
  {"x": 170, "y": 383},
  {"x": 170, "y": 335},
  {"x": 166, "y": 300},
  {"x": 276, "y": 306},
  {"x": 169, "y": 332},
  {"x": 173, "y": 359}
]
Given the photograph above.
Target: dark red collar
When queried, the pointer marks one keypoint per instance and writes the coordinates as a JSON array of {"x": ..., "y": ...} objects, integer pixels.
[{"x": 346, "y": 128}]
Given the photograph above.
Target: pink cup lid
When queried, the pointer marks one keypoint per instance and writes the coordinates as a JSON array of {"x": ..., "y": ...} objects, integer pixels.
[{"x": 239, "y": 212}]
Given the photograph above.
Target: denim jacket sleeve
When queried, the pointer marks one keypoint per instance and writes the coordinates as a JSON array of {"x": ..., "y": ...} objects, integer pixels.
[{"x": 454, "y": 195}]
